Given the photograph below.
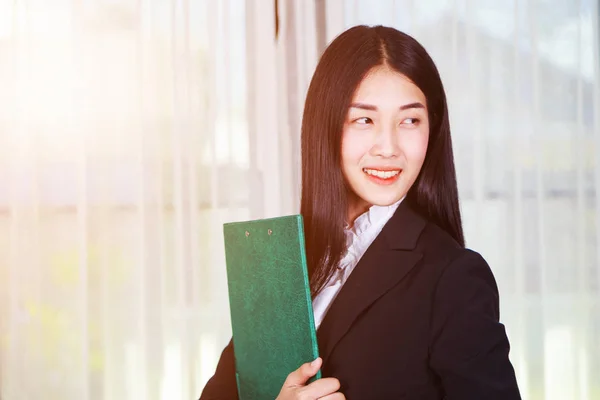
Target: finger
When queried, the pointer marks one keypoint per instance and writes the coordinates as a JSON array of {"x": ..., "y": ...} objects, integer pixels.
[
  {"x": 321, "y": 387},
  {"x": 302, "y": 374},
  {"x": 334, "y": 396}
]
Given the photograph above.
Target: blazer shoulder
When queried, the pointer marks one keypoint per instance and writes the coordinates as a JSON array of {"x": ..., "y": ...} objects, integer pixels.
[
  {"x": 439, "y": 248},
  {"x": 436, "y": 241}
]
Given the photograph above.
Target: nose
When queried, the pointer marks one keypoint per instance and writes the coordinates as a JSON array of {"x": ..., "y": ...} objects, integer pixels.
[{"x": 386, "y": 142}]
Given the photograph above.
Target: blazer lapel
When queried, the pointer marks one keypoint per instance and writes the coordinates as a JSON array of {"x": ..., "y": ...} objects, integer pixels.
[{"x": 389, "y": 258}]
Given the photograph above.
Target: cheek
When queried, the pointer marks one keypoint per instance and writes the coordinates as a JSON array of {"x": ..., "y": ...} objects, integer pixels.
[
  {"x": 415, "y": 151},
  {"x": 353, "y": 148}
]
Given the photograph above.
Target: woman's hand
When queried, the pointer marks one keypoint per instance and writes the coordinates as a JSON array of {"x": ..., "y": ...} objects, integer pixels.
[{"x": 295, "y": 387}]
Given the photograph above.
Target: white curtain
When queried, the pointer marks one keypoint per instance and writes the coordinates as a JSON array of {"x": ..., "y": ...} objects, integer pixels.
[{"x": 131, "y": 130}]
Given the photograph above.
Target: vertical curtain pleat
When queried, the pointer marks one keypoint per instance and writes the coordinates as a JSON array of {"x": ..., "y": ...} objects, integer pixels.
[
  {"x": 595, "y": 11},
  {"x": 518, "y": 270}
]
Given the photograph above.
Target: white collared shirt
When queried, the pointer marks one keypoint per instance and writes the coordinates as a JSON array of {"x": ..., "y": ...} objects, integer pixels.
[{"x": 358, "y": 239}]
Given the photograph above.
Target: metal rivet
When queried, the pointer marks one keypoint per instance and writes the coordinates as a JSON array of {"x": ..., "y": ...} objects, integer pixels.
[
  {"x": 247, "y": 233},
  {"x": 270, "y": 231}
]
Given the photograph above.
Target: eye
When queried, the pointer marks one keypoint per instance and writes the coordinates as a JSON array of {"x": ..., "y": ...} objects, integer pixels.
[
  {"x": 411, "y": 121},
  {"x": 363, "y": 121}
]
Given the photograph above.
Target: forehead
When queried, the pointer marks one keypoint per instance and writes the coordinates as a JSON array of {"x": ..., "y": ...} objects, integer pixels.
[{"x": 384, "y": 86}]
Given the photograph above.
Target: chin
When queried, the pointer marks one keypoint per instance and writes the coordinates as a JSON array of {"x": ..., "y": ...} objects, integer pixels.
[{"x": 383, "y": 201}]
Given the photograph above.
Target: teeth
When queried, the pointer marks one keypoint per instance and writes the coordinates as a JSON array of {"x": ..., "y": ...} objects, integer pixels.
[{"x": 381, "y": 174}]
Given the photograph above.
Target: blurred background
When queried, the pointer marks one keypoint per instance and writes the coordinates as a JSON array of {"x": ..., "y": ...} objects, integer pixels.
[{"x": 131, "y": 130}]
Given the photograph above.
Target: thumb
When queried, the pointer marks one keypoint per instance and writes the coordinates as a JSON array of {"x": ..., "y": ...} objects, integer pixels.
[{"x": 304, "y": 373}]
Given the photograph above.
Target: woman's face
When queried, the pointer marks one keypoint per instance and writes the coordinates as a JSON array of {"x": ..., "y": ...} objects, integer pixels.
[{"x": 384, "y": 139}]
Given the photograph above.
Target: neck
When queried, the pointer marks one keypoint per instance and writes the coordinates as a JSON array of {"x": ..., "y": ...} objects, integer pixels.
[{"x": 356, "y": 207}]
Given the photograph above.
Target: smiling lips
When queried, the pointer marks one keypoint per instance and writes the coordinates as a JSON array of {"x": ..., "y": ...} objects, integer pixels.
[{"x": 382, "y": 176}]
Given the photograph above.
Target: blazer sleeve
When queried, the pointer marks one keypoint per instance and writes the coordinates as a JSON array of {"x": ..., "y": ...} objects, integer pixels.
[
  {"x": 222, "y": 385},
  {"x": 469, "y": 347}
]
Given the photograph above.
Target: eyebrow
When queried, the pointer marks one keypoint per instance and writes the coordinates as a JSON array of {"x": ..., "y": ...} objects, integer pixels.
[{"x": 371, "y": 107}]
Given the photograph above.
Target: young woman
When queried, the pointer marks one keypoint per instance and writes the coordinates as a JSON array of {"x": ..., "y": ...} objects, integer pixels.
[{"x": 403, "y": 309}]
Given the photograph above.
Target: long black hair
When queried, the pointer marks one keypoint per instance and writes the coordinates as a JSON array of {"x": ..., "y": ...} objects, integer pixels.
[{"x": 324, "y": 202}]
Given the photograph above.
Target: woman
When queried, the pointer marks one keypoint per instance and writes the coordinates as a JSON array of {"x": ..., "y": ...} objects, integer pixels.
[{"x": 403, "y": 309}]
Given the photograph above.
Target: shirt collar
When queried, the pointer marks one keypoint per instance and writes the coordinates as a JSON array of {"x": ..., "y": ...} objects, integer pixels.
[{"x": 374, "y": 215}]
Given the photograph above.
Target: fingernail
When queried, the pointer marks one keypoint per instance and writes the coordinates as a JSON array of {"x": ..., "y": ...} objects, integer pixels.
[{"x": 312, "y": 364}]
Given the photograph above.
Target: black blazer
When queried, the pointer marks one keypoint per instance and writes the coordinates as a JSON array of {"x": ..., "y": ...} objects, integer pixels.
[{"x": 416, "y": 319}]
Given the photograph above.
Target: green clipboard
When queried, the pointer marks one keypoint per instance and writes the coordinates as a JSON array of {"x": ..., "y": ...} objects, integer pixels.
[{"x": 269, "y": 299}]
